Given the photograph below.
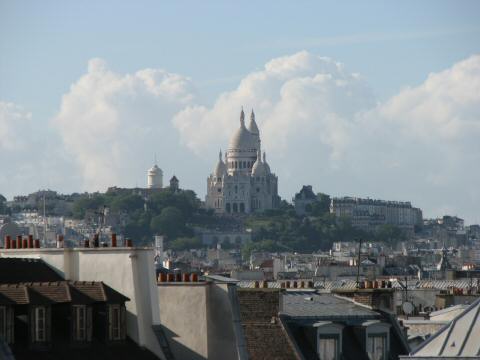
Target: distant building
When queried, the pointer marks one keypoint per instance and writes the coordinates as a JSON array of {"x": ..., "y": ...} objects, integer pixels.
[
  {"x": 244, "y": 182},
  {"x": 369, "y": 214},
  {"x": 174, "y": 184},
  {"x": 303, "y": 199},
  {"x": 155, "y": 178}
]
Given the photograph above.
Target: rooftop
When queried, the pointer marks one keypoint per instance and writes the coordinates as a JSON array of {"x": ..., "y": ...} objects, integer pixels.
[{"x": 309, "y": 304}]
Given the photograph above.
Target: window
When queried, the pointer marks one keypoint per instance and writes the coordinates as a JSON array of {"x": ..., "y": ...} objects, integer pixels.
[
  {"x": 39, "y": 323},
  {"x": 329, "y": 343},
  {"x": 80, "y": 314},
  {"x": 116, "y": 323},
  {"x": 377, "y": 339},
  {"x": 377, "y": 347},
  {"x": 3, "y": 322},
  {"x": 242, "y": 207},
  {"x": 328, "y": 347}
]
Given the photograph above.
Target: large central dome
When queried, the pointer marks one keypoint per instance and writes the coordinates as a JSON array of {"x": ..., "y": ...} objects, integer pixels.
[{"x": 243, "y": 139}]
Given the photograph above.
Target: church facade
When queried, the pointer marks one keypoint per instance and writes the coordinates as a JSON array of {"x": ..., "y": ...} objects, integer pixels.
[{"x": 242, "y": 182}]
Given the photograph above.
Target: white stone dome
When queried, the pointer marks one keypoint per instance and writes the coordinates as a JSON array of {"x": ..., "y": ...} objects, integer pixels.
[
  {"x": 258, "y": 168},
  {"x": 243, "y": 139},
  {"x": 220, "y": 168},
  {"x": 154, "y": 170}
]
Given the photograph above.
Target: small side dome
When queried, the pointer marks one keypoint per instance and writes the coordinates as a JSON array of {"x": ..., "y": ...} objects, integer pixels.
[
  {"x": 220, "y": 168},
  {"x": 258, "y": 168}
]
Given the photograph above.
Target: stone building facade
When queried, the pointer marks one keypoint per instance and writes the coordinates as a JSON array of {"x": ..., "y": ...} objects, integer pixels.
[
  {"x": 369, "y": 214},
  {"x": 243, "y": 181}
]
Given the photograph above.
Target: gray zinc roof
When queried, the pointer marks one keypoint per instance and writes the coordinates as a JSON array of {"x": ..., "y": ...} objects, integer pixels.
[
  {"x": 458, "y": 339},
  {"x": 309, "y": 304}
]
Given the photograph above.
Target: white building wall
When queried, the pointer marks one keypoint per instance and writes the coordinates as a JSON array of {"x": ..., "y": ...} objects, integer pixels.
[{"x": 130, "y": 271}]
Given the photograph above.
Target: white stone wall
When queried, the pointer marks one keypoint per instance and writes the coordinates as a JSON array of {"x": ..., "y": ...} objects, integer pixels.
[{"x": 130, "y": 271}]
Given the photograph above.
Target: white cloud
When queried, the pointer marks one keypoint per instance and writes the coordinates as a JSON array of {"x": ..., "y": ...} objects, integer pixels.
[
  {"x": 14, "y": 125},
  {"x": 112, "y": 124},
  {"x": 292, "y": 96},
  {"x": 321, "y": 125}
]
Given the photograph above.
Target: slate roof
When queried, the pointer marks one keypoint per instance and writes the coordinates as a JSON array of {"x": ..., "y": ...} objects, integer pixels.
[
  {"x": 458, "y": 339},
  {"x": 16, "y": 270},
  {"x": 57, "y": 292},
  {"x": 309, "y": 304}
]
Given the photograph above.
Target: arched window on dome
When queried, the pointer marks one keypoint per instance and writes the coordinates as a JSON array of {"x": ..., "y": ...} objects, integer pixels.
[
  {"x": 235, "y": 207},
  {"x": 244, "y": 164},
  {"x": 242, "y": 207}
]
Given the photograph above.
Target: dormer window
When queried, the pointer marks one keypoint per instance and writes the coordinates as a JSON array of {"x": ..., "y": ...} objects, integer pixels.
[
  {"x": 329, "y": 340},
  {"x": 377, "y": 336}
]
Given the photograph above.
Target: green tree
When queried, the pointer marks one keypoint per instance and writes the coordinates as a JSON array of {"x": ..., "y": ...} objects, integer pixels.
[
  {"x": 186, "y": 243},
  {"x": 170, "y": 222},
  {"x": 127, "y": 203}
]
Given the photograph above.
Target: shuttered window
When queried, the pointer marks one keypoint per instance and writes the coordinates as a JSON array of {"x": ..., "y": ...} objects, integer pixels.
[
  {"x": 116, "y": 322},
  {"x": 80, "y": 314},
  {"x": 40, "y": 324}
]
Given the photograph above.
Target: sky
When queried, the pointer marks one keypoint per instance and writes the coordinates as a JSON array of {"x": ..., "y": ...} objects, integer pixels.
[{"x": 371, "y": 99}]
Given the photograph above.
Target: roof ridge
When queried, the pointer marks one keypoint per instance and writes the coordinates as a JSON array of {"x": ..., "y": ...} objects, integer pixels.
[
  {"x": 103, "y": 290},
  {"x": 67, "y": 287}
]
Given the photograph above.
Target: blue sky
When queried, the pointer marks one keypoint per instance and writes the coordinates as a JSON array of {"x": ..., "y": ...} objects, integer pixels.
[{"x": 45, "y": 47}]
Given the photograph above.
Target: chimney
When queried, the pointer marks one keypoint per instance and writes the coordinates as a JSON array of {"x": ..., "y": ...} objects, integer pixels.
[
  {"x": 170, "y": 277},
  {"x": 25, "y": 243},
  {"x": 87, "y": 243},
  {"x": 96, "y": 241},
  {"x": 59, "y": 241},
  {"x": 129, "y": 242},
  {"x": 162, "y": 277},
  {"x": 194, "y": 277},
  {"x": 30, "y": 241},
  {"x": 19, "y": 241},
  {"x": 14, "y": 244},
  {"x": 8, "y": 241},
  {"x": 186, "y": 277},
  {"x": 114, "y": 240},
  {"x": 37, "y": 243}
]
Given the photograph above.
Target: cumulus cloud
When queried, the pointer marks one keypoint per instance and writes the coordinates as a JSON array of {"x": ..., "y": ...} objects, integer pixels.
[
  {"x": 112, "y": 124},
  {"x": 319, "y": 121},
  {"x": 292, "y": 96},
  {"x": 322, "y": 126},
  {"x": 28, "y": 161}
]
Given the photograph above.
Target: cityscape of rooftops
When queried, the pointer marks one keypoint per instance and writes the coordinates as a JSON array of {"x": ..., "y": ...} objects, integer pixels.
[{"x": 220, "y": 180}]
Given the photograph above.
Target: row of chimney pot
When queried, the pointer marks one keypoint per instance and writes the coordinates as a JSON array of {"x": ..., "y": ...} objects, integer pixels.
[
  {"x": 96, "y": 242},
  {"x": 185, "y": 277},
  {"x": 287, "y": 284},
  {"x": 376, "y": 284},
  {"x": 30, "y": 243},
  {"x": 21, "y": 242}
]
